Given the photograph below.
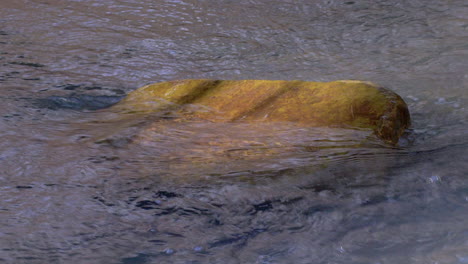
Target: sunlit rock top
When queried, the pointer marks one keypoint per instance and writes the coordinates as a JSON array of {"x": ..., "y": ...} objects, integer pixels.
[{"x": 352, "y": 104}]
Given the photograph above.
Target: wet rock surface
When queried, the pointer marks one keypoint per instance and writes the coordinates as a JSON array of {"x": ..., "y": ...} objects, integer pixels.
[{"x": 351, "y": 104}]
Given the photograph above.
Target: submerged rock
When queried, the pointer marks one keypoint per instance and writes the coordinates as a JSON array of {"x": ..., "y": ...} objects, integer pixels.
[{"x": 349, "y": 104}]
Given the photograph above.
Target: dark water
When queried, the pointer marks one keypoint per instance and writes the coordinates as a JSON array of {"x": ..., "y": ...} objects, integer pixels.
[{"x": 80, "y": 185}]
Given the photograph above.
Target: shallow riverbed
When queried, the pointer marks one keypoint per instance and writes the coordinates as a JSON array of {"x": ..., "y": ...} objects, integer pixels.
[{"x": 80, "y": 185}]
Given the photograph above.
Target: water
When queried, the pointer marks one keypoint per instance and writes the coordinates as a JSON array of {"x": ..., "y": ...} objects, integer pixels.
[{"x": 80, "y": 185}]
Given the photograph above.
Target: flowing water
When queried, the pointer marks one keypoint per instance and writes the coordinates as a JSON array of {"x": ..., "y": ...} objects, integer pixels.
[{"x": 81, "y": 184}]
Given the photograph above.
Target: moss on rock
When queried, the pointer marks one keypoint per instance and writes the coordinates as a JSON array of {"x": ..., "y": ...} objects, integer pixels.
[{"x": 354, "y": 104}]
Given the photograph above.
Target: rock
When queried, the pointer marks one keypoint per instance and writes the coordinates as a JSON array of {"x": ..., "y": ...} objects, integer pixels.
[{"x": 349, "y": 104}]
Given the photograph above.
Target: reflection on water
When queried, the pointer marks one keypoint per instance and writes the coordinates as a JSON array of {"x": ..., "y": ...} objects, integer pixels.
[{"x": 80, "y": 185}]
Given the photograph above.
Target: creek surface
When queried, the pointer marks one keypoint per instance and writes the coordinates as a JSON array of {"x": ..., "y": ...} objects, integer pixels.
[{"x": 81, "y": 184}]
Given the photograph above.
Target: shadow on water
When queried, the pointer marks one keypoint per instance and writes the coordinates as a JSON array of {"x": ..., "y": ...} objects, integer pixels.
[{"x": 78, "y": 102}]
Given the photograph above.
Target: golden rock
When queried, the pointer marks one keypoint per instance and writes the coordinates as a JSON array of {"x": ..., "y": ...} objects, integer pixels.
[{"x": 348, "y": 104}]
